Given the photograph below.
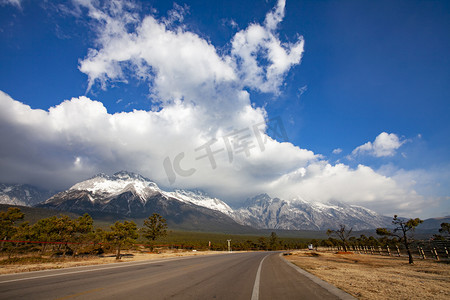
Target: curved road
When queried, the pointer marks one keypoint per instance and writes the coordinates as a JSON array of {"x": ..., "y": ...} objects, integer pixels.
[{"x": 250, "y": 276}]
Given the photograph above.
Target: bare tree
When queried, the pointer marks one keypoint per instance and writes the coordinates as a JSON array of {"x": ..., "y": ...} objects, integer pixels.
[
  {"x": 342, "y": 233},
  {"x": 401, "y": 231}
]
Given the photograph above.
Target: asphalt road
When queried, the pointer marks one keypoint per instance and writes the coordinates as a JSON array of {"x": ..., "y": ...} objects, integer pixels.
[{"x": 250, "y": 276}]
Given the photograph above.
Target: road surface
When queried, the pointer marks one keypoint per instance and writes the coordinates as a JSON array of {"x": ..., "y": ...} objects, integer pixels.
[{"x": 250, "y": 276}]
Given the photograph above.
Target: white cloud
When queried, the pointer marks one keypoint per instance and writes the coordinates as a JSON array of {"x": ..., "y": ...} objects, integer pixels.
[
  {"x": 179, "y": 64},
  {"x": 321, "y": 181},
  {"x": 274, "y": 17},
  {"x": 261, "y": 43},
  {"x": 78, "y": 138},
  {"x": 16, "y": 3},
  {"x": 385, "y": 144},
  {"x": 176, "y": 15},
  {"x": 302, "y": 90},
  {"x": 182, "y": 65},
  {"x": 337, "y": 151}
]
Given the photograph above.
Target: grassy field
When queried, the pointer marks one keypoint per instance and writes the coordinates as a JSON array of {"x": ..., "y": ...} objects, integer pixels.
[{"x": 378, "y": 277}]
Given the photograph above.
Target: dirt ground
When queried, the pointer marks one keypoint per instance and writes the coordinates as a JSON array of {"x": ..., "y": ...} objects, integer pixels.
[
  {"x": 94, "y": 260},
  {"x": 378, "y": 277}
]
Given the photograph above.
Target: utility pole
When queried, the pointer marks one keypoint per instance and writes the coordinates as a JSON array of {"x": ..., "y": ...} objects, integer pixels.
[{"x": 229, "y": 245}]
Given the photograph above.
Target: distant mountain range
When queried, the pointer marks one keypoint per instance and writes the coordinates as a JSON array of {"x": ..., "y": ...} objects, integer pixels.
[
  {"x": 22, "y": 194},
  {"x": 265, "y": 212},
  {"x": 129, "y": 195}
]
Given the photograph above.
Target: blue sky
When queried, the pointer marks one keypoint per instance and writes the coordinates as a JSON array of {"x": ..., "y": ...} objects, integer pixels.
[{"x": 364, "y": 101}]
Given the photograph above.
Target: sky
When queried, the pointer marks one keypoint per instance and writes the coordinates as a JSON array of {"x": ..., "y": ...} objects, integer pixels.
[{"x": 318, "y": 101}]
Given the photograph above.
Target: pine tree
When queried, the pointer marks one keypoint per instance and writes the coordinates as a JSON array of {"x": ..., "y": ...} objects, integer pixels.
[
  {"x": 122, "y": 234},
  {"x": 154, "y": 227},
  {"x": 403, "y": 227}
]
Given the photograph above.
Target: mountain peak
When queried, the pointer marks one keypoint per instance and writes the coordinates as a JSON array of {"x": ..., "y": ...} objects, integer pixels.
[
  {"x": 126, "y": 175},
  {"x": 257, "y": 200},
  {"x": 104, "y": 184},
  {"x": 99, "y": 175}
]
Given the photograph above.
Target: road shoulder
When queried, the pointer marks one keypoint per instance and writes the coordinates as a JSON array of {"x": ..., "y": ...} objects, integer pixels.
[{"x": 329, "y": 287}]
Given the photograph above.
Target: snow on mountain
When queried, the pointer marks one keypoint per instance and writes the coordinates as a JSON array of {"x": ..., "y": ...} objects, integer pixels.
[
  {"x": 131, "y": 194},
  {"x": 105, "y": 186},
  {"x": 22, "y": 194},
  {"x": 263, "y": 211},
  {"x": 103, "y": 192},
  {"x": 200, "y": 198}
]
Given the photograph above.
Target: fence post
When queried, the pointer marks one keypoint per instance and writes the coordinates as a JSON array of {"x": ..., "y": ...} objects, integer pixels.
[
  {"x": 421, "y": 252},
  {"x": 435, "y": 254}
]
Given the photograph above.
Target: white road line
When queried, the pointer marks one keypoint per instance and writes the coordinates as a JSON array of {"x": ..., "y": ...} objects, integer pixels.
[
  {"x": 255, "y": 294},
  {"x": 92, "y": 270}
]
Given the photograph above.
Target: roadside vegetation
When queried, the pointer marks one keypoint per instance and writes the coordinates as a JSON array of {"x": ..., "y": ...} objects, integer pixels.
[{"x": 62, "y": 237}]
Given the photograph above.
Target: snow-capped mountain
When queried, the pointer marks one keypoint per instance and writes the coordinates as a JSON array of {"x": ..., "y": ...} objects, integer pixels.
[
  {"x": 132, "y": 195},
  {"x": 104, "y": 186},
  {"x": 200, "y": 198},
  {"x": 126, "y": 194},
  {"x": 263, "y": 211},
  {"x": 22, "y": 194}
]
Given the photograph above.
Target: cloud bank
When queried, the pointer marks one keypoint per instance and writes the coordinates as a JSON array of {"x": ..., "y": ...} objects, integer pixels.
[{"x": 206, "y": 133}]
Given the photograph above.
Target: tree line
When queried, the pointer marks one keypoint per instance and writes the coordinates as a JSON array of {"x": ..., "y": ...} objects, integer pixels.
[
  {"x": 61, "y": 235},
  {"x": 65, "y": 236}
]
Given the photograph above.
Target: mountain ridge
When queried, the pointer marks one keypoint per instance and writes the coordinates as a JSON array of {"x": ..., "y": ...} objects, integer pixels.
[
  {"x": 127, "y": 194},
  {"x": 130, "y": 195}
]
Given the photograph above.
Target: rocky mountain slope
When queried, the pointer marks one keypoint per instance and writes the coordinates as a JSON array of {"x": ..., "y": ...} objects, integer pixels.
[
  {"x": 263, "y": 211},
  {"x": 22, "y": 194}
]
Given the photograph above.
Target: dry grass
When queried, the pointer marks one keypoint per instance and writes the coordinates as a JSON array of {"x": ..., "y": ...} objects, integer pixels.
[
  {"x": 378, "y": 277},
  {"x": 30, "y": 263}
]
